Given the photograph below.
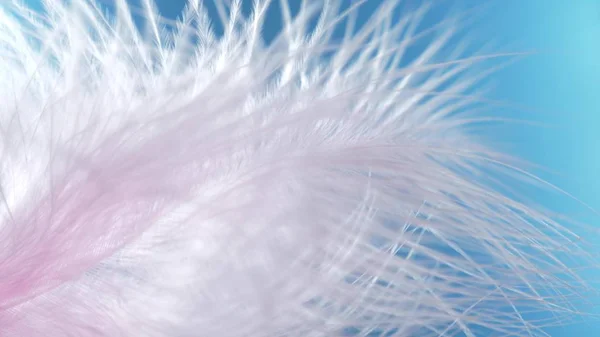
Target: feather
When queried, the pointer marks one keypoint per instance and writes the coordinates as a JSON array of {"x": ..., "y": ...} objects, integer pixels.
[{"x": 189, "y": 178}]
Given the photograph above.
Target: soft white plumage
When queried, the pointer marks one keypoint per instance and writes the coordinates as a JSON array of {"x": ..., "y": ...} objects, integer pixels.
[{"x": 174, "y": 182}]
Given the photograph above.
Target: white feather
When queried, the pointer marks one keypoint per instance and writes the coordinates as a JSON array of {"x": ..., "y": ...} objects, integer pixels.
[{"x": 171, "y": 181}]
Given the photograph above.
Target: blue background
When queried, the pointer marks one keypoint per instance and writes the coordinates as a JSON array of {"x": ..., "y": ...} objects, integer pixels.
[{"x": 561, "y": 85}]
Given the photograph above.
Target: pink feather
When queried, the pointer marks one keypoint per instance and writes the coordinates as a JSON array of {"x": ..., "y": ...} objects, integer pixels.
[{"x": 178, "y": 183}]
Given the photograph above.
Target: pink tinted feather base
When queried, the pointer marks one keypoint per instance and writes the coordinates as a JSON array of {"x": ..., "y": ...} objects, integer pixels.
[{"x": 175, "y": 182}]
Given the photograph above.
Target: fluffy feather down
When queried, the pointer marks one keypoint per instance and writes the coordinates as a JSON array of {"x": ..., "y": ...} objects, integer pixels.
[{"x": 171, "y": 181}]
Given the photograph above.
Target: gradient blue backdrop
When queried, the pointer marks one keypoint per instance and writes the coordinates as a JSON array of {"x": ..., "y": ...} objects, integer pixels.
[{"x": 561, "y": 84}]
